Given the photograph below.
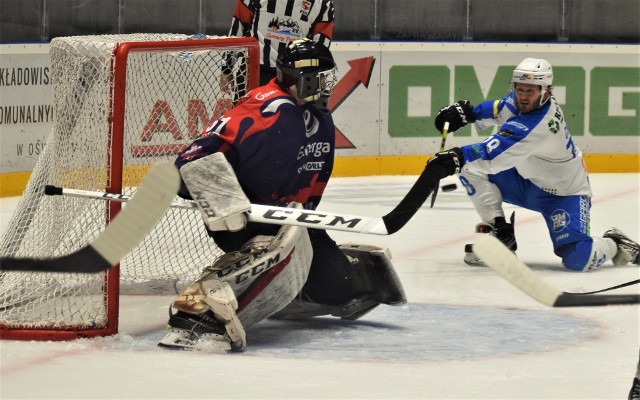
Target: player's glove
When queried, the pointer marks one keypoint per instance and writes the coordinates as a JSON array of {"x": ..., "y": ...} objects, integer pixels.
[
  {"x": 446, "y": 163},
  {"x": 457, "y": 115}
]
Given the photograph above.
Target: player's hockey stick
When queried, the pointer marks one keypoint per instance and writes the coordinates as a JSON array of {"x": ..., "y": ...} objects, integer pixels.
[
  {"x": 121, "y": 236},
  {"x": 634, "y": 282},
  {"x": 387, "y": 225},
  {"x": 502, "y": 260},
  {"x": 445, "y": 131}
]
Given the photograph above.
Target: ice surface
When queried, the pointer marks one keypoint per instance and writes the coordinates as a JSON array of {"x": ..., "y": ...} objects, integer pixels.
[{"x": 465, "y": 333}]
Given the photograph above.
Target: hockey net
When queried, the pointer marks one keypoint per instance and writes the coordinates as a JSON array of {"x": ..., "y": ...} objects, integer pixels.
[{"x": 122, "y": 103}]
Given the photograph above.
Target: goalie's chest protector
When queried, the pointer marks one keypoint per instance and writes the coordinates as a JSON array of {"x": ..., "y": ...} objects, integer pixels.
[{"x": 285, "y": 152}]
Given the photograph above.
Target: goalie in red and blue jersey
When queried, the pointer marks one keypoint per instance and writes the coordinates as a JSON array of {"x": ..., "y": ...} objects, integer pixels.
[
  {"x": 280, "y": 147},
  {"x": 276, "y": 147}
]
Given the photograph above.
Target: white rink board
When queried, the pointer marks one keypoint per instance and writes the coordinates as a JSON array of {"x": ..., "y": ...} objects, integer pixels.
[{"x": 364, "y": 116}]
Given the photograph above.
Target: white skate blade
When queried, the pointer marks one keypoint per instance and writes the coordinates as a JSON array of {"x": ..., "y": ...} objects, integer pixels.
[{"x": 179, "y": 339}]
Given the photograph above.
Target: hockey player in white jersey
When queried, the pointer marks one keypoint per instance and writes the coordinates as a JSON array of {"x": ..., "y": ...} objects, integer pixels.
[{"x": 531, "y": 162}]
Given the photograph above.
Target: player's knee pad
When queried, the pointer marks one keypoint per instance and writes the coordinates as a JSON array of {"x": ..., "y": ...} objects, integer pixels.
[
  {"x": 581, "y": 256},
  {"x": 374, "y": 273},
  {"x": 485, "y": 195}
]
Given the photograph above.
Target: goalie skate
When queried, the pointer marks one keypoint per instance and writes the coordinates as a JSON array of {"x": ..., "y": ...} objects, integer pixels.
[
  {"x": 206, "y": 310},
  {"x": 197, "y": 332}
]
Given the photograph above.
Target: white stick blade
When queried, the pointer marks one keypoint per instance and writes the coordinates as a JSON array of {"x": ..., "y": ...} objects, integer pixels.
[
  {"x": 142, "y": 213},
  {"x": 502, "y": 260}
]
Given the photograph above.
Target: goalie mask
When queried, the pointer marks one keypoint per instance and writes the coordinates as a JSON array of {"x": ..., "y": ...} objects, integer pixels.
[
  {"x": 310, "y": 67},
  {"x": 534, "y": 71}
]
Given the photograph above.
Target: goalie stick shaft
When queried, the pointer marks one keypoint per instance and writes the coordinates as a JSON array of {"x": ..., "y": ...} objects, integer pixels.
[
  {"x": 502, "y": 260},
  {"x": 258, "y": 213},
  {"x": 386, "y": 225},
  {"x": 120, "y": 237}
]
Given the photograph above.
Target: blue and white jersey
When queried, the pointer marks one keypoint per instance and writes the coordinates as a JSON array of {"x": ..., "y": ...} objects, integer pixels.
[{"x": 537, "y": 144}]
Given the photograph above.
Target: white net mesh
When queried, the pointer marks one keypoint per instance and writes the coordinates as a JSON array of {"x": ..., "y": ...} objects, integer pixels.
[{"x": 171, "y": 95}]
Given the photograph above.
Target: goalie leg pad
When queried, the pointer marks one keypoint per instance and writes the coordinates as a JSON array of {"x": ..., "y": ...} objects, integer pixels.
[
  {"x": 213, "y": 185},
  {"x": 269, "y": 283},
  {"x": 202, "y": 300},
  {"x": 266, "y": 273},
  {"x": 374, "y": 282},
  {"x": 352, "y": 310},
  {"x": 374, "y": 274}
]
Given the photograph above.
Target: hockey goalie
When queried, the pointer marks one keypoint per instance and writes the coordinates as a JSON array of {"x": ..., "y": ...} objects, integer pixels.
[{"x": 275, "y": 147}]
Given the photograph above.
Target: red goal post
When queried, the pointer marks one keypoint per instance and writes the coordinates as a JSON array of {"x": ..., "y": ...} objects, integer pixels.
[{"x": 122, "y": 103}]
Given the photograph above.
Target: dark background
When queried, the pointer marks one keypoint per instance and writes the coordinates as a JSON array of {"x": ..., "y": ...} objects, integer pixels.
[{"x": 578, "y": 21}]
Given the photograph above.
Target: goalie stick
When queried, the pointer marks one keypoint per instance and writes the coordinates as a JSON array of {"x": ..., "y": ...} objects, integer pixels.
[
  {"x": 386, "y": 225},
  {"x": 130, "y": 226},
  {"x": 502, "y": 260}
]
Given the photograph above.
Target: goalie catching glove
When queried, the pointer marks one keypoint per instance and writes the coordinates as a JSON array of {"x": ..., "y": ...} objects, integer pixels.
[
  {"x": 214, "y": 187},
  {"x": 458, "y": 115}
]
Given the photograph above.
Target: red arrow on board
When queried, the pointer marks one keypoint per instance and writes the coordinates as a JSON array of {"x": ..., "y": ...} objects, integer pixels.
[{"x": 359, "y": 73}]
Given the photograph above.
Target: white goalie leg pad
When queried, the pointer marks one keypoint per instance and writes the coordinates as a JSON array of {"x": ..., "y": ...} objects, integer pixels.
[
  {"x": 212, "y": 294},
  {"x": 214, "y": 187},
  {"x": 257, "y": 281},
  {"x": 223, "y": 303},
  {"x": 269, "y": 283},
  {"x": 270, "y": 274}
]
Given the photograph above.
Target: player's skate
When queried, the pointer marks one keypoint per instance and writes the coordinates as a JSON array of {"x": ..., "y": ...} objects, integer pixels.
[
  {"x": 500, "y": 229},
  {"x": 634, "y": 393},
  {"x": 628, "y": 250},
  {"x": 206, "y": 319}
]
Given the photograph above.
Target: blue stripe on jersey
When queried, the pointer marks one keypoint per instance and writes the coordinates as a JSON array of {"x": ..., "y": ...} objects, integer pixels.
[
  {"x": 491, "y": 109},
  {"x": 513, "y": 131}
]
